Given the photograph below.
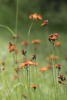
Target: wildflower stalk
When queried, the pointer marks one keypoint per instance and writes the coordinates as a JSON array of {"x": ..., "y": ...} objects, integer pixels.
[
  {"x": 8, "y": 28},
  {"x": 28, "y": 72},
  {"x": 15, "y": 56},
  {"x": 29, "y": 31},
  {"x": 54, "y": 73},
  {"x": 16, "y": 16}
]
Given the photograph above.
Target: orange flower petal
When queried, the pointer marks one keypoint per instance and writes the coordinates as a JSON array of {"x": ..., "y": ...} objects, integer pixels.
[{"x": 43, "y": 69}]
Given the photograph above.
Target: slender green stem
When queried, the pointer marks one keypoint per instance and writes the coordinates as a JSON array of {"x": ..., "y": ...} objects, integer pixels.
[
  {"x": 16, "y": 16},
  {"x": 29, "y": 31},
  {"x": 8, "y": 28}
]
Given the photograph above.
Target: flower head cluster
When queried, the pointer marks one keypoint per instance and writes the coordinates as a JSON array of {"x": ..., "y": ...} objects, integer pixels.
[
  {"x": 35, "y": 16},
  {"x": 53, "y": 37},
  {"x": 12, "y": 47},
  {"x": 62, "y": 79}
]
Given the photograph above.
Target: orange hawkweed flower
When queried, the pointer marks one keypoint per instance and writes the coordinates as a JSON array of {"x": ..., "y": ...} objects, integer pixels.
[
  {"x": 16, "y": 76},
  {"x": 44, "y": 23},
  {"x": 30, "y": 63},
  {"x": 43, "y": 69},
  {"x": 22, "y": 65},
  {"x": 59, "y": 66},
  {"x": 62, "y": 77},
  {"x": 11, "y": 47},
  {"x": 35, "y": 41},
  {"x": 27, "y": 63},
  {"x": 53, "y": 37},
  {"x": 57, "y": 44},
  {"x": 33, "y": 86},
  {"x": 24, "y": 43},
  {"x": 52, "y": 57},
  {"x": 35, "y": 16}
]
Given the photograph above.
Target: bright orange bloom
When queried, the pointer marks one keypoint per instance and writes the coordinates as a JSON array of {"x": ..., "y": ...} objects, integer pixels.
[
  {"x": 12, "y": 47},
  {"x": 35, "y": 16},
  {"x": 16, "y": 76},
  {"x": 59, "y": 66},
  {"x": 22, "y": 65},
  {"x": 33, "y": 86},
  {"x": 52, "y": 57},
  {"x": 30, "y": 63},
  {"x": 43, "y": 69},
  {"x": 15, "y": 36},
  {"x": 44, "y": 23},
  {"x": 27, "y": 63},
  {"x": 24, "y": 43},
  {"x": 35, "y": 41},
  {"x": 53, "y": 37},
  {"x": 58, "y": 44}
]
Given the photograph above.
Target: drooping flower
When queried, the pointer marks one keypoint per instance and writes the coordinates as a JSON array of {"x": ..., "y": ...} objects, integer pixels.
[
  {"x": 62, "y": 77},
  {"x": 59, "y": 66},
  {"x": 24, "y": 43},
  {"x": 23, "y": 52},
  {"x": 12, "y": 47},
  {"x": 53, "y": 37},
  {"x": 35, "y": 16},
  {"x": 33, "y": 57},
  {"x": 44, "y": 23}
]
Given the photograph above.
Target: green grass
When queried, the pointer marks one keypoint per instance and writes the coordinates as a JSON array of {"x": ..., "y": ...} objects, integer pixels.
[{"x": 15, "y": 89}]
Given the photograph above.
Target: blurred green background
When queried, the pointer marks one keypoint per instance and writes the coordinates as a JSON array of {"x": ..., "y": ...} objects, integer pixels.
[{"x": 53, "y": 10}]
